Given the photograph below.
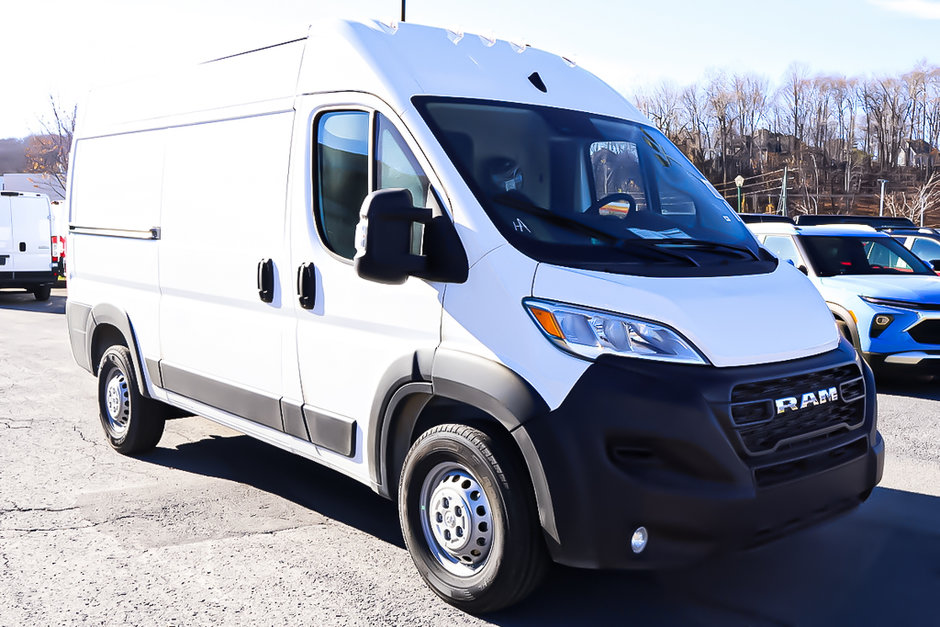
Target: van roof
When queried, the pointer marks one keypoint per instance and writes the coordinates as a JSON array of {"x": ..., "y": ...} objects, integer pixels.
[{"x": 392, "y": 61}]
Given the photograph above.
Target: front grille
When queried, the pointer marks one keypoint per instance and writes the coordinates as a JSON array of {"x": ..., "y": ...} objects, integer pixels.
[
  {"x": 797, "y": 468},
  {"x": 761, "y": 429},
  {"x": 926, "y": 332}
]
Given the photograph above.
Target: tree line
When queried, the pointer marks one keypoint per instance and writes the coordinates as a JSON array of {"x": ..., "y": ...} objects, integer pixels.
[{"x": 837, "y": 136}]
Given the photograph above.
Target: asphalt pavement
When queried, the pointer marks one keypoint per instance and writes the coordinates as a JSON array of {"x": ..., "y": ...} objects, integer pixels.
[{"x": 216, "y": 528}]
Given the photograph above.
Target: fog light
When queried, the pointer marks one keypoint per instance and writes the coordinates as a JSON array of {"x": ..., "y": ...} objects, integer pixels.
[
  {"x": 639, "y": 539},
  {"x": 879, "y": 323}
]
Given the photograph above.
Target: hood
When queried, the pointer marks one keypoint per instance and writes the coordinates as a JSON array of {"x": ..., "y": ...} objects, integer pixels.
[
  {"x": 917, "y": 288},
  {"x": 733, "y": 320}
]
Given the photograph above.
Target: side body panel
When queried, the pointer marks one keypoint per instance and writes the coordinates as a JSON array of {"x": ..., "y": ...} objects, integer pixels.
[
  {"x": 218, "y": 336},
  {"x": 116, "y": 190}
]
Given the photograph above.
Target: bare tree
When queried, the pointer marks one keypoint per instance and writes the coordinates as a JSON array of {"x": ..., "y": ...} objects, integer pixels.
[
  {"x": 720, "y": 105},
  {"x": 750, "y": 108},
  {"x": 48, "y": 153},
  {"x": 918, "y": 205}
]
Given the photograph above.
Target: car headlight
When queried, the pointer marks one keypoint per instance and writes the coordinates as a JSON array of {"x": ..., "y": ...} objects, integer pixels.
[
  {"x": 588, "y": 333},
  {"x": 897, "y": 304}
]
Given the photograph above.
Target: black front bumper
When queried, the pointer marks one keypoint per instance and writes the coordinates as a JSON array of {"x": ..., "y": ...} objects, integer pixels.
[{"x": 640, "y": 443}]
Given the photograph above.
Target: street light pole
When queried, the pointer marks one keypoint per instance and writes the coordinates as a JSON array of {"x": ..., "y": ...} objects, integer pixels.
[
  {"x": 881, "y": 203},
  {"x": 739, "y": 181},
  {"x": 402, "y": 10}
]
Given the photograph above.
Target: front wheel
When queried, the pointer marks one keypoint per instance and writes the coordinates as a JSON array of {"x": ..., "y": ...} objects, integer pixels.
[
  {"x": 469, "y": 519},
  {"x": 132, "y": 423}
]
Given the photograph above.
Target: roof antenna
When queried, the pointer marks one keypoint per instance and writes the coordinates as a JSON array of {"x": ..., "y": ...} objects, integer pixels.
[
  {"x": 402, "y": 10},
  {"x": 536, "y": 80}
]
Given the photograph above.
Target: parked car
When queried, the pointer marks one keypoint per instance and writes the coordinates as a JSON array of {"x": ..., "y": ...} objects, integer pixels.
[
  {"x": 884, "y": 298},
  {"x": 923, "y": 242},
  {"x": 26, "y": 245},
  {"x": 750, "y": 218},
  {"x": 475, "y": 279},
  {"x": 809, "y": 219}
]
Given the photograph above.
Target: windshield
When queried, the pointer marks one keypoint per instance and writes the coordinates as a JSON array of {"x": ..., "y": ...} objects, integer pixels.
[
  {"x": 578, "y": 189},
  {"x": 837, "y": 255}
]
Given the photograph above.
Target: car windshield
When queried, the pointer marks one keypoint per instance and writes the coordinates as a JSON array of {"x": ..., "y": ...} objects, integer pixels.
[
  {"x": 578, "y": 189},
  {"x": 837, "y": 255}
]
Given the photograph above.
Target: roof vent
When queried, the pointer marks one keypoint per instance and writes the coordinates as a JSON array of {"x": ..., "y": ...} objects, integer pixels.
[
  {"x": 536, "y": 80},
  {"x": 487, "y": 41},
  {"x": 455, "y": 36},
  {"x": 390, "y": 28}
]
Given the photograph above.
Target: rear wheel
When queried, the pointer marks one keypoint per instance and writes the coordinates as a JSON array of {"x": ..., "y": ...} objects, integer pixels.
[
  {"x": 469, "y": 519},
  {"x": 42, "y": 292},
  {"x": 132, "y": 423}
]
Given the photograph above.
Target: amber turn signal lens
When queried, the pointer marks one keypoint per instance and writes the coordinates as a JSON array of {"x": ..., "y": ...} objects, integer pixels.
[{"x": 547, "y": 321}]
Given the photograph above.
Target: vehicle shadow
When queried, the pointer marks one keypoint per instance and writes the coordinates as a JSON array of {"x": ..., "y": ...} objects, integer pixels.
[
  {"x": 877, "y": 565},
  {"x": 248, "y": 461},
  {"x": 24, "y": 301}
]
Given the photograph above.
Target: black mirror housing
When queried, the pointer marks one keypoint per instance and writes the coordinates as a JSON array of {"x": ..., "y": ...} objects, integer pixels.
[
  {"x": 935, "y": 264},
  {"x": 384, "y": 250}
]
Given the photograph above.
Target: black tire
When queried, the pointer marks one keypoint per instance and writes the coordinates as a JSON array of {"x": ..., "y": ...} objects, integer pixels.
[
  {"x": 132, "y": 423},
  {"x": 475, "y": 480},
  {"x": 42, "y": 292}
]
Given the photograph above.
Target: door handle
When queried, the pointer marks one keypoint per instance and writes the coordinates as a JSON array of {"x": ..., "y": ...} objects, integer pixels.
[
  {"x": 307, "y": 285},
  {"x": 266, "y": 280},
  {"x": 22, "y": 247}
]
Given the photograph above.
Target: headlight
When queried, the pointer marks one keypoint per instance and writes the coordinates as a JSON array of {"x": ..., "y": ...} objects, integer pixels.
[
  {"x": 899, "y": 304},
  {"x": 588, "y": 333}
]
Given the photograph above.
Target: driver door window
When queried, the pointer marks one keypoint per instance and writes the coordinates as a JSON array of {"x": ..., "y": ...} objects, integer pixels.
[
  {"x": 342, "y": 179},
  {"x": 343, "y": 167}
]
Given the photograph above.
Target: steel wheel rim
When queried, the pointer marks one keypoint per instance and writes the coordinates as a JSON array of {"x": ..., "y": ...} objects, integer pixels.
[
  {"x": 117, "y": 403},
  {"x": 456, "y": 518}
]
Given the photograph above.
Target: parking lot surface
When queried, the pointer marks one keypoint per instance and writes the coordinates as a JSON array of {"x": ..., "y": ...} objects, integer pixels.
[{"x": 216, "y": 528}]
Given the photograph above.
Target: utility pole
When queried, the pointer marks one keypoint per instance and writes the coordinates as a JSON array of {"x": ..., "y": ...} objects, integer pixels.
[
  {"x": 881, "y": 203},
  {"x": 402, "y": 10}
]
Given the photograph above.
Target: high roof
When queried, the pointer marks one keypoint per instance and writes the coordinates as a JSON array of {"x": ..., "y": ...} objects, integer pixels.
[{"x": 394, "y": 62}]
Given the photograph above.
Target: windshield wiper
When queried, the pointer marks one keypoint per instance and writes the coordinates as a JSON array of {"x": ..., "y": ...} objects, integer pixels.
[
  {"x": 707, "y": 244},
  {"x": 652, "y": 245},
  {"x": 619, "y": 244},
  {"x": 518, "y": 202}
]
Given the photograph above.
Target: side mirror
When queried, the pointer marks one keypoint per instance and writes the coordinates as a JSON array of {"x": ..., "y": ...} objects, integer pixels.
[
  {"x": 385, "y": 251},
  {"x": 935, "y": 264}
]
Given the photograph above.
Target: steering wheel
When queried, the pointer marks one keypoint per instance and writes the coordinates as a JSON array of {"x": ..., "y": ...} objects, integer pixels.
[{"x": 595, "y": 206}]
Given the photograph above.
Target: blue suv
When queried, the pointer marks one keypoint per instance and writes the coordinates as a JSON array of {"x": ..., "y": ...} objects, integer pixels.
[{"x": 885, "y": 299}]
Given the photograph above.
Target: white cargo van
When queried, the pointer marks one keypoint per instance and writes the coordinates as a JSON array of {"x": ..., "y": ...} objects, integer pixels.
[
  {"x": 26, "y": 256},
  {"x": 473, "y": 277}
]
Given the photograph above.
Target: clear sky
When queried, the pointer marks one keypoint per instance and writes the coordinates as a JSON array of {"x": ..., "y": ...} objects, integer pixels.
[{"x": 62, "y": 47}]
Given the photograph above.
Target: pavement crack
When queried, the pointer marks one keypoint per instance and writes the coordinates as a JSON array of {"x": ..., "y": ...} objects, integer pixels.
[
  {"x": 54, "y": 529},
  {"x": 14, "y": 423},
  {"x": 18, "y": 510},
  {"x": 78, "y": 430}
]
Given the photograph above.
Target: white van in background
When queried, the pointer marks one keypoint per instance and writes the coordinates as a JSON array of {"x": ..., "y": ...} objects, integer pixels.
[
  {"x": 26, "y": 259},
  {"x": 472, "y": 276}
]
